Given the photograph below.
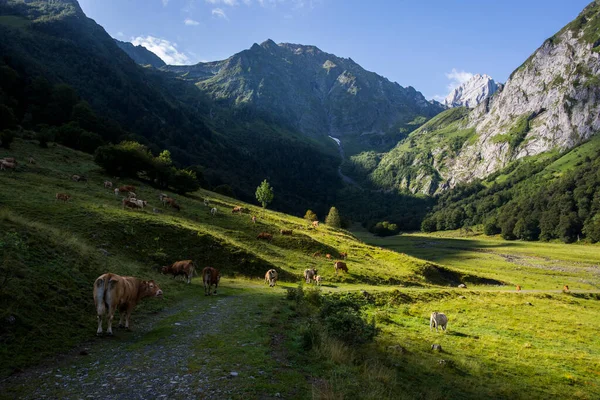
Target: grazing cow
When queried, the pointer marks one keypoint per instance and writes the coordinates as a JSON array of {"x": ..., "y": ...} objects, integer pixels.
[
  {"x": 462, "y": 286},
  {"x": 131, "y": 195},
  {"x": 62, "y": 196},
  {"x": 328, "y": 256},
  {"x": 344, "y": 256},
  {"x": 31, "y": 160},
  {"x": 206, "y": 202},
  {"x": 565, "y": 288},
  {"x": 271, "y": 277},
  {"x": 287, "y": 232},
  {"x": 126, "y": 188},
  {"x": 140, "y": 203},
  {"x": 170, "y": 201},
  {"x": 316, "y": 254},
  {"x": 237, "y": 209},
  {"x": 108, "y": 184},
  {"x": 318, "y": 279},
  {"x": 518, "y": 288},
  {"x": 9, "y": 159},
  {"x": 309, "y": 274},
  {"x": 253, "y": 219},
  {"x": 438, "y": 319},
  {"x": 112, "y": 292},
  {"x": 315, "y": 224},
  {"x": 131, "y": 203},
  {"x": 116, "y": 191},
  {"x": 162, "y": 196},
  {"x": 339, "y": 265},
  {"x": 264, "y": 236},
  {"x": 4, "y": 165},
  {"x": 213, "y": 211},
  {"x": 187, "y": 268},
  {"x": 210, "y": 276}
]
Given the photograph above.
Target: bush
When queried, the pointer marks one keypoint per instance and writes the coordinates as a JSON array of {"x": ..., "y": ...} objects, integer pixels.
[
  {"x": 429, "y": 225},
  {"x": 311, "y": 216},
  {"x": 385, "y": 228},
  {"x": 342, "y": 320},
  {"x": 491, "y": 227}
]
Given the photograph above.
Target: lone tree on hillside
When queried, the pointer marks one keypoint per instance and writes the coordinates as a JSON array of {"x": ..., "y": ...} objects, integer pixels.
[
  {"x": 311, "y": 216},
  {"x": 333, "y": 218},
  {"x": 264, "y": 193}
]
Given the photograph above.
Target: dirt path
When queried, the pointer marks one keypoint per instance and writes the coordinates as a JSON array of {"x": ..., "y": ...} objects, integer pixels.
[{"x": 177, "y": 355}]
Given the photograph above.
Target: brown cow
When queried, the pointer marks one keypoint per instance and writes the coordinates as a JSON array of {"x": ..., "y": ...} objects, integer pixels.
[
  {"x": 318, "y": 279},
  {"x": 237, "y": 209},
  {"x": 271, "y": 277},
  {"x": 112, "y": 292},
  {"x": 565, "y": 288},
  {"x": 315, "y": 224},
  {"x": 339, "y": 265},
  {"x": 317, "y": 254},
  {"x": 518, "y": 288},
  {"x": 126, "y": 188},
  {"x": 264, "y": 236},
  {"x": 288, "y": 232},
  {"x": 210, "y": 276},
  {"x": 328, "y": 256},
  {"x": 62, "y": 196},
  {"x": 344, "y": 256},
  {"x": 187, "y": 268},
  {"x": 253, "y": 219},
  {"x": 170, "y": 201}
]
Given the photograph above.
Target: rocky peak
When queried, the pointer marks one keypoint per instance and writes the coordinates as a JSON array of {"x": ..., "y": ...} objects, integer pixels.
[{"x": 473, "y": 92}]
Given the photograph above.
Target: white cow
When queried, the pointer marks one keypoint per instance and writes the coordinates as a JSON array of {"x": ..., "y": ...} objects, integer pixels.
[
  {"x": 438, "y": 319},
  {"x": 213, "y": 211},
  {"x": 271, "y": 277},
  {"x": 309, "y": 274},
  {"x": 206, "y": 202}
]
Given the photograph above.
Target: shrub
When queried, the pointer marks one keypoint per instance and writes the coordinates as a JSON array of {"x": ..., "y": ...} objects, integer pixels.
[
  {"x": 333, "y": 218},
  {"x": 384, "y": 228},
  {"x": 429, "y": 225},
  {"x": 311, "y": 216},
  {"x": 342, "y": 320},
  {"x": 491, "y": 227}
]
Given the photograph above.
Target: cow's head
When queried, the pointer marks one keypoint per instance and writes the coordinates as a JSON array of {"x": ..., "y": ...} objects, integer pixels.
[{"x": 151, "y": 289}]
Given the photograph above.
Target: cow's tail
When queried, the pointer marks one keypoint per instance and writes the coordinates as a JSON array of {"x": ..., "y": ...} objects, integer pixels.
[{"x": 100, "y": 295}]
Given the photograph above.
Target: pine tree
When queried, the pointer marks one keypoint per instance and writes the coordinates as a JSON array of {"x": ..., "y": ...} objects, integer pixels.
[
  {"x": 264, "y": 193},
  {"x": 333, "y": 218}
]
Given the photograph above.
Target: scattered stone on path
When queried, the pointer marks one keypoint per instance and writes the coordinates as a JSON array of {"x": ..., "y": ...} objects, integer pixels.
[{"x": 233, "y": 373}]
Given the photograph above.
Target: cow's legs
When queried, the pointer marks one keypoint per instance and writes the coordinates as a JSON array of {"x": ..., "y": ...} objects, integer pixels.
[
  {"x": 128, "y": 314},
  {"x": 216, "y": 284},
  {"x": 111, "y": 315},
  {"x": 99, "y": 331}
]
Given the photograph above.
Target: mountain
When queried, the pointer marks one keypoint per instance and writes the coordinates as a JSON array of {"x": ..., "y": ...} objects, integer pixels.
[
  {"x": 315, "y": 92},
  {"x": 140, "y": 54},
  {"x": 63, "y": 77},
  {"x": 473, "y": 92},
  {"x": 550, "y": 103}
]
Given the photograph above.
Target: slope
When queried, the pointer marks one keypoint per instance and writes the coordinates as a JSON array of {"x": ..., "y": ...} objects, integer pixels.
[{"x": 52, "y": 251}]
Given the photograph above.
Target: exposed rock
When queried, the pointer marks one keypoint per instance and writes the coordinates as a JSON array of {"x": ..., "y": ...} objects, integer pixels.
[{"x": 473, "y": 92}]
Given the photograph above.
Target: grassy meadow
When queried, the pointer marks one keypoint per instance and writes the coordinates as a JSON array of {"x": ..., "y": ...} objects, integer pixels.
[{"x": 534, "y": 344}]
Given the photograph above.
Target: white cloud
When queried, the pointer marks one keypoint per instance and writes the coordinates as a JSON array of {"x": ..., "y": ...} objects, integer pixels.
[
  {"x": 191, "y": 22},
  {"x": 457, "y": 78},
  {"x": 219, "y": 13},
  {"x": 165, "y": 49},
  {"x": 439, "y": 97},
  {"x": 229, "y": 3},
  {"x": 165, "y": 2},
  {"x": 120, "y": 34}
]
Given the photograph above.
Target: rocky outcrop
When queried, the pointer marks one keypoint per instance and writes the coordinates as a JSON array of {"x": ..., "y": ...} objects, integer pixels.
[
  {"x": 551, "y": 102},
  {"x": 473, "y": 92},
  {"x": 140, "y": 54}
]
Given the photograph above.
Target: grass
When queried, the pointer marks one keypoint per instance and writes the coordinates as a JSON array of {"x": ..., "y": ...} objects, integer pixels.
[{"x": 499, "y": 343}]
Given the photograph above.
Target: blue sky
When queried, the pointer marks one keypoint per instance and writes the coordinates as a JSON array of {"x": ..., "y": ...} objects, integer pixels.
[{"x": 416, "y": 43}]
